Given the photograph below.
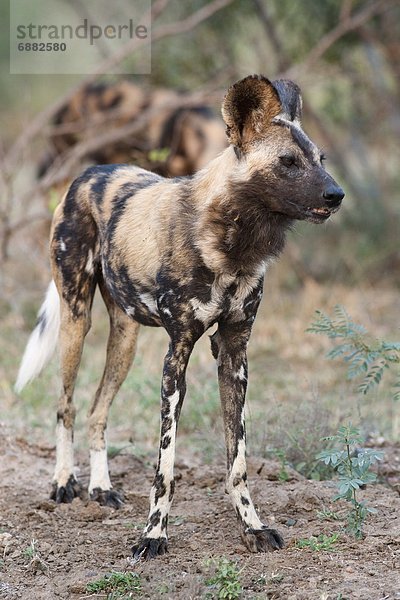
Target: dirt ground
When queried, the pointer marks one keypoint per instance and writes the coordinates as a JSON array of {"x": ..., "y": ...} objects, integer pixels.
[{"x": 80, "y": 542}]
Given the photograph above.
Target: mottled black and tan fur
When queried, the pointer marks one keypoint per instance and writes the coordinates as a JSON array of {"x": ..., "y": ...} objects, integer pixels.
[
  {"x": 184, "y": 254},
  {"x": 192, "y": 135}
]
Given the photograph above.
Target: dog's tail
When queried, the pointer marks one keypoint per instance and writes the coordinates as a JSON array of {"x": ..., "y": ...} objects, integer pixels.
[{"x": 43, "y": 340}]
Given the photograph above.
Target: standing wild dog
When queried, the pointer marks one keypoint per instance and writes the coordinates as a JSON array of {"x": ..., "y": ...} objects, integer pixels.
[{"x": 183, "y": 254}]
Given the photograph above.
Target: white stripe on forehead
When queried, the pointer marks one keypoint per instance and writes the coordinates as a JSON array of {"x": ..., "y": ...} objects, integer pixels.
[{"x": 300, "y": 136}]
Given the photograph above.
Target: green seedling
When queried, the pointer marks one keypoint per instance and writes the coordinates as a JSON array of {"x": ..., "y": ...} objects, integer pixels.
[
  {"x": 365, "y": 355},
  {"x": 353, "y": 466},
  {"x": 36, "y": 562},
  {"x": 327, "y": 515},
  {"x": 281, "y": 456},
  {"x": 322, "y": 542},
  {"x": 115, "y": 585},
  {"x": 31, "y": 550},
  {"x": 225, "y": 581}
]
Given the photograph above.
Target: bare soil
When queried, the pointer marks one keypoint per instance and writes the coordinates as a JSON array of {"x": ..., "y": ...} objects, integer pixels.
[{"x": 80, "y": 542}]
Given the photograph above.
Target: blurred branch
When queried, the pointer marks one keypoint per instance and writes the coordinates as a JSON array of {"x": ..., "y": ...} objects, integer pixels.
[
  {"x": 157, "y": 8},
  {"x": 345, "y": 10},
  {"x": 65, "y": 164},
  {"x": 163, "y": 31},
  {"x": 270, "y": 29},
  {"x": 387, "y": 39},
  {"x": 346, "y": 24},
  {"x": 82, "y": 11},
  {"x": 5, "y": 208},
  {"x": 9, "y": 229}
]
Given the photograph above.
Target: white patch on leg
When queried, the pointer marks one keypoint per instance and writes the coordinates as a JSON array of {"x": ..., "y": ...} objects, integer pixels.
[
  {"x": 64, "y": 455},
  {"x": 89, "y": 263},
  {"x": 149, "y": 302},
  {"x": 166, "y": 468},
  {"x": 99, "y": 477},
  {"x": 241, "y": 374},
  {"x": 168, "y": 454},
  {"x": 241, "y": 490},
  {"x": 173, "y": 401}
]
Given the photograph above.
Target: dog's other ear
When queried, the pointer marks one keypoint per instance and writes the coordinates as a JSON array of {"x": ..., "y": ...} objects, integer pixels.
[
  {"x": 248, "y": 109},
  {"x": 290, "y": 98}
]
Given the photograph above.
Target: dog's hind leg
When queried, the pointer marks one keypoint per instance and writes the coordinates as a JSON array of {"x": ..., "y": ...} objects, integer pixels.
[
  {"x": 74, "y": 251},
  {"x": 229, "y": 345},
  {"x": 121, "y": 350},
  {"x": 73, "y": 329}
]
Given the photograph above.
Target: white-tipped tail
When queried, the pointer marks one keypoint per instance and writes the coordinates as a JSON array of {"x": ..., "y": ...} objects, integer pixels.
[{"x": 43, "y": 340}]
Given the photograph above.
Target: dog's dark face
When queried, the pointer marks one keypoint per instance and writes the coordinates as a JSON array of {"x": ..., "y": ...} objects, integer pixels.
[{"x": 284, "y": 167}]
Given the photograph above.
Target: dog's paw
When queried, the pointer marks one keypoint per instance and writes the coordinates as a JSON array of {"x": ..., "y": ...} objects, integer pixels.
[
  {"x": 150, "y": 548},
  {"x": 64, "y": 494},
  {"x": 262, "y": 540},
  {"x": 110, "y": 498}
]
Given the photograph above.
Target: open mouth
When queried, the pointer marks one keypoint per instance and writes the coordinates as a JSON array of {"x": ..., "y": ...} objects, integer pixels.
[{"x": 319, "y": 213}]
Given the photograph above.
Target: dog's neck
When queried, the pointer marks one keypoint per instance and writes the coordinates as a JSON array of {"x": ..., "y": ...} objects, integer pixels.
[{"x": 234, "y": 230}]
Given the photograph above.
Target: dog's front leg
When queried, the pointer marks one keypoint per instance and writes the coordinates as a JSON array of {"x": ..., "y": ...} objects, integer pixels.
[
  {"x": 154, "y": 538},
  {"x": 229, "y": 345}
]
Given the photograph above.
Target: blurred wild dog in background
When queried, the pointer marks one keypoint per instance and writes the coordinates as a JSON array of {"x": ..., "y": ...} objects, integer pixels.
[
  {"x": 185, "y": 254},
  {"x": 189, "y": 137}
]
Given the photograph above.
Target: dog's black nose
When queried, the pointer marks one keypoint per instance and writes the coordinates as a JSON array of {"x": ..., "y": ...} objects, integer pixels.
[{"x": 333, "y": 196}]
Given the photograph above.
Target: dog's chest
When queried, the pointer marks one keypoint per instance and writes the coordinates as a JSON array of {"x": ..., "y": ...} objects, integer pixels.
[
  {"x": 232, "y": 298},
  {"x": 228, "y": 297}
]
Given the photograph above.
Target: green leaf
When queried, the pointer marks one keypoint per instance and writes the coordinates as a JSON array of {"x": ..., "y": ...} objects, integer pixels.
[
  {"x": 371, "y": 510},
  {"x": 355, "y": 483},
  {"x": 344, "y": 488},
  {"x": 159, "y": 154}
]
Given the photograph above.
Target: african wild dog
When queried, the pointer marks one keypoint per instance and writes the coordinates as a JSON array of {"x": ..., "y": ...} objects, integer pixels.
[
  {"x": 193, "y": 135},
  {"x": 184, "y": 254}
]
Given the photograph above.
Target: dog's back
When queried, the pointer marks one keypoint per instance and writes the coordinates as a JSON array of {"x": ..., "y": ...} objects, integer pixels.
[{"x": 115, "y": 224}]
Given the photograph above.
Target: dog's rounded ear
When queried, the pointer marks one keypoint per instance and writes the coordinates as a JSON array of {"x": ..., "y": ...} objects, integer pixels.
[
  {"x": 248, "y": 109},
  {"x": 290, "y": 98}
]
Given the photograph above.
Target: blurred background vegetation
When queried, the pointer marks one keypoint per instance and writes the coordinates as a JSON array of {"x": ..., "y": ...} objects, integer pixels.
[{"x": 345, "y": 55}]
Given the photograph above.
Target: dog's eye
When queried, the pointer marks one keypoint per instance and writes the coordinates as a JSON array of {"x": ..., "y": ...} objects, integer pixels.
[{"x": 288, "y": 160}]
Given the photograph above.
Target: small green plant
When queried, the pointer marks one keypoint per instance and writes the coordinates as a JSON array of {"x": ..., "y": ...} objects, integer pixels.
[
  {"x": 322, "y": 542},
  {"x": 225, "y": 580},
  {"x": 159, "y": 154},
  {"x": 176, "y": 520},
  {"x": 113, "y": 451},
  {"x": 353, "y": 465},
  {"x": 295, "y": 439},
  {"x": 115, "y": 585},
  {"x": 283, "y": 474},
  {"x": 364, "y": 354},
  {"x": 264, "y": 579},
  {"x": 31, "y": 550},
  {"x": 36, "y": 562},
  {"x": 327, "y": 515}
]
